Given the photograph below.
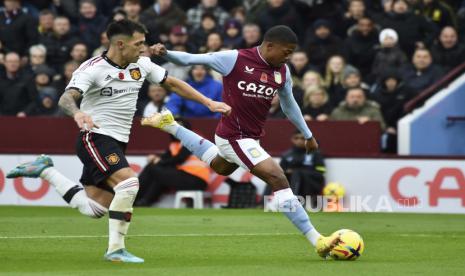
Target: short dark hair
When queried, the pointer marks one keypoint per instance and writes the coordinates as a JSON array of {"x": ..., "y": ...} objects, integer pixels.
[
  {"x": 281, "y": 34},
  {"x": 124, "y": 27}
]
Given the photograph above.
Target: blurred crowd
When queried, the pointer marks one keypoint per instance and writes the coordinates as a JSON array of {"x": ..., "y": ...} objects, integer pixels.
[{"x": 357, "y": 59}]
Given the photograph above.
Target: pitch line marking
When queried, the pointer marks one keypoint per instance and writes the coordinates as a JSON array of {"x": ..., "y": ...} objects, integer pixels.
[{"x": 148, "y": 235}]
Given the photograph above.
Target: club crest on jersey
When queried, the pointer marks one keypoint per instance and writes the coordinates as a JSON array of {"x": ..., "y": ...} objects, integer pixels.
[
  {"x": 277, "y": 77},
  {"x": 264, "y": 77},
  {"x": 249, "y": 70},
  {"x": 112, "y": 159},
  {"x": 135, "y": 73}
]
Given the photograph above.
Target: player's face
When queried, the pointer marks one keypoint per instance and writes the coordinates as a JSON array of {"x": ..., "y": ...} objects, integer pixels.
[
  {"x": 279, "y": 54},
  {"x": 134, "y": 47}
]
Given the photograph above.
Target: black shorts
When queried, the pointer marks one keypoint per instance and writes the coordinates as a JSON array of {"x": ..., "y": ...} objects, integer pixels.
[{"x": 101, "y": 156}]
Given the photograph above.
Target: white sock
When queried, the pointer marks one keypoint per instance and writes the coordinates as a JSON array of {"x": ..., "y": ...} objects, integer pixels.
[
  {"x": 209, "y": 155},
  {"x": 120, "y": 212},
  {"x": 290, "y": 206},
  {"x": 313, "y": 236},
  {"x": 73, "y": 193}
]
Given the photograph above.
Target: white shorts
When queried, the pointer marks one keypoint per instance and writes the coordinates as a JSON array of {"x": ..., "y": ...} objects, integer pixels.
[{"x": 244, "y": 152}]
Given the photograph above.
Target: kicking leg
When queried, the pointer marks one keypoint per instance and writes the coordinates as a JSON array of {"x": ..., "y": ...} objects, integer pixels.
[
  {"x": 72, "y": 193},
  {"x": 270, "y": 172},
  {"x": 199, "y": 146}
]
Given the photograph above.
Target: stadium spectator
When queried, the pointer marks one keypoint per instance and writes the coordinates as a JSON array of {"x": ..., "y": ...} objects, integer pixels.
[
  {"x": 214, "y": 43},
  {"x": 46, "y": 18},
  {"x": 448, "y": 52},
  {"x": 252, "y": 8},
  {"x": 18, "y": 30},
  {"x": 321, "y": 43},
  {"x": 195, "y": 15},
  {"x": 133, "y": 9},
  {"x": 60, "y": 83},
  {"x": 298, "y": 65},
  {"x": 275, "y": 109},
  {"x": 17, "y": 93},
  {"x": 46, "y": 102},
  {"x": 357, "y": 108},
  {"x": 304, "y": 171},
  {"x": 232, "y": 34},
  {"x": 104, "y": 44},
  {"x": 67, "y": 9},
  {"x": 208, "y": 25},
  {"x": 79, "y": 52},
  {"x": 413, "y": 30},
  {"x": 359, "y": 47},
  {"x": 388, "y": 54},
  {"x": 422, "y": 73},
  {"x": 160, "y": 18},
  {"x": 316, "y": 104},
  {"x": 37, "y": 56},
  {"x": 311, "y": 78},
  {"x": 280, "y": 12},
  {"x": 179, "y": 36},
  {"x": 351, "y": 78},
  {"x": 90, "y": 24},
  {"x": 205, "y": 84},
  {"x": 238, "y": 13},
  {"x": 356, "y": 10},
  {"x": 391, "y": 96},
  {"x": 59, "y": 44},
  {"x": 118, "y": 14},
  {"x": 251, "y": 35},
  {"x": 333, "y": 78},
  {"x": 176, "y": 169},
  {"x": 439, "y": 12},
  {"x": 157, "y": 95}
]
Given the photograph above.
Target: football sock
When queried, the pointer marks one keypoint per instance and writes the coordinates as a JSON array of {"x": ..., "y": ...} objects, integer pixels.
[
  {"x": 121, "y": 212},
  {"x": 73, "y": 194},
  {"x": 199, "y": 146},
  {"x": 293, "y": 210}
]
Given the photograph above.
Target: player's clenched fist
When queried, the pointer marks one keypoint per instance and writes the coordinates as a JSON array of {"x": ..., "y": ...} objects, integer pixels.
[
  {"x": 84, "y": 121},
  {"x": 215, "y": 106},
  {"x": 311, "y": 145},
  {"x": 158, "y": 50}
]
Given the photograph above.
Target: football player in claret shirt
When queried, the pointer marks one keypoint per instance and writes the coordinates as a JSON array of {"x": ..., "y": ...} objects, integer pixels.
[
  {"x": 109, "y": 86},
  {"x": 251, "y": 78}
]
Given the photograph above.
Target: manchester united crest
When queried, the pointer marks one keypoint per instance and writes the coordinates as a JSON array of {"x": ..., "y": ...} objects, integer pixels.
[
  {"x": 135, "y": 73},
  {"x": 112, "y": 159}
]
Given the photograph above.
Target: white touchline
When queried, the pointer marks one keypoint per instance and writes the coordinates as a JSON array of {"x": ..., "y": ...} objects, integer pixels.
[
  {"x": 419, "y": 235},
  {"x": 148, "y": 235}
]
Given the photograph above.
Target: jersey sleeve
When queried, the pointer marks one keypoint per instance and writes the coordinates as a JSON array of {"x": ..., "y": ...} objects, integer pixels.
[
  {"x": 81, "y": 81},
  {"x": 155, "y": 73},
  {"x": 291, "y": 108},
  {"x": 223, "y": 61}
]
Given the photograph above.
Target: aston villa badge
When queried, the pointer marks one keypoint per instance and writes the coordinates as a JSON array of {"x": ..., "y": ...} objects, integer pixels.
[{"x": 277, "y": 77}]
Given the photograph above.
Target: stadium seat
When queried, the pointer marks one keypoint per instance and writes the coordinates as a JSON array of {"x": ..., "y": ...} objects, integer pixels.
[{"x": 197, "y": 198}]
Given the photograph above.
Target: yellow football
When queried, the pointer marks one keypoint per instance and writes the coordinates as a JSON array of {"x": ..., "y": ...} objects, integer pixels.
[{"x": 350, "y": 247}]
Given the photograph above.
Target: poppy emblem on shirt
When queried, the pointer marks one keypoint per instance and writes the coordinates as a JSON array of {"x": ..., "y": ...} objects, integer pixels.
[
  {"x": 112, "y": 159},
  {"x": 277, "y": 77},
  {"x": 264, "y": 78},
  {"x": 135, "y": 73},
  {"x": 121, "y": 75}
]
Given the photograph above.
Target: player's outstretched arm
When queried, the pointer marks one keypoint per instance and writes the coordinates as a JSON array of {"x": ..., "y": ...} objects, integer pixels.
[
  {"x": 68, "y": 103},
  {"x": 186, "y": 91},
  {"x": 222, "y": 62}
]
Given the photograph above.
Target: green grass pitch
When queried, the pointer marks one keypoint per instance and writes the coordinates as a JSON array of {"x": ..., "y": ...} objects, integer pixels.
[{"x": 60, "y": 241}]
